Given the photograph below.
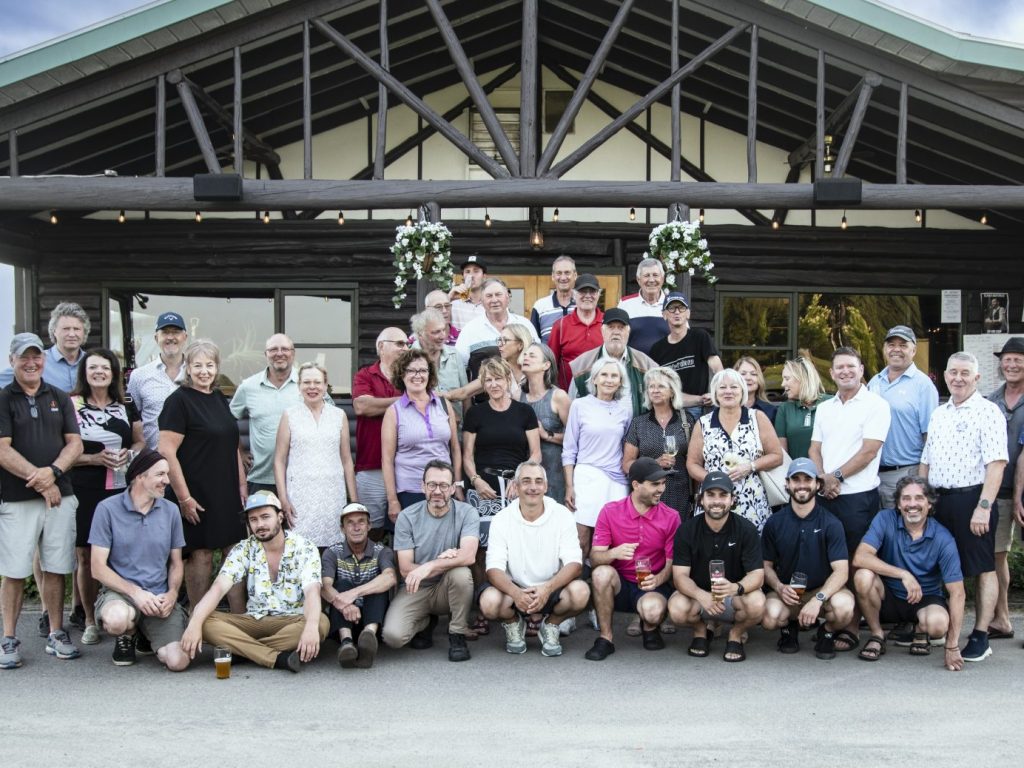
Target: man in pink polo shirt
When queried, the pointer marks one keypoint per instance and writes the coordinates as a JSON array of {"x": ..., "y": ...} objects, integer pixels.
[{"x": 637, "y": 530}]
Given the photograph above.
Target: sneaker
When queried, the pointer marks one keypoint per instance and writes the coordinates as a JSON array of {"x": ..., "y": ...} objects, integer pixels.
[
  {"x": 457, "y": 650},
  {"x": 425, "y": 637},
  {"x": 592, "y": 618},
  {"x": 825, "y": 647},
  {"x": 977, "y": 648},
  {"x": 567, "y": 627},
  {"x": 44, "y": 625},
  {"x": 10, "y": 653},
  {"x": 550, "y": 636},
  {"x": 515, "y": 640},
  {"x": 601, "y": 650},
  {"x": 789, "y": 638},
  {"x": 367, "y": 645},
  {"x": 124, "y": 651},
  {"x": 347, "y": 653},
  {"x": 76, "y": 619},
  {"x": 142, "y": 645},
  {"x": 59, "y": 644},
  {"x": 901, "y": 635},
  {"x": 91, "y": 635}
]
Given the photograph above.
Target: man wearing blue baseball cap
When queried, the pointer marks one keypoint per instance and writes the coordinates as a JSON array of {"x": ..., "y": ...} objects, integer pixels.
[
  {"x": 152, "y": 383},
  {"x": 806, "y": 566}
]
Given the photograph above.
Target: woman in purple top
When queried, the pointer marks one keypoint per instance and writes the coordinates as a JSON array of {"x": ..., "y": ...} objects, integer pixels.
[
  {"x": 592, "y": 449},
  {"x": 418, "y": 428}
]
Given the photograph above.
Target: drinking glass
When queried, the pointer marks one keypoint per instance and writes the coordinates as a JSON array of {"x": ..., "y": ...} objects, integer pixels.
[
  {"x": 798, "y": 583},
  {"x": 222, "y": 661},
  {"x": 716, "y": 569},
  {"x": 643, "y": 569}
]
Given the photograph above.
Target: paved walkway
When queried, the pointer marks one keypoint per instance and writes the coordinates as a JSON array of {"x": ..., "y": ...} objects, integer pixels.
[{"x": 414, "y": 708}]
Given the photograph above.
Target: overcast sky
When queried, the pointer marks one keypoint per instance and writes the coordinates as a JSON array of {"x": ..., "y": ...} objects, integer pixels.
[{"x": 28, "y": 22}]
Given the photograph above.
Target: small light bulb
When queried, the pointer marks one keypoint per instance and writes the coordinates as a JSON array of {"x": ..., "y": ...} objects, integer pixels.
[
  {"x": 53, "y": 217},
  {"x": 775, "y": 223},
  {"x": 121, "y": 217},
  {"x": 984, "y": 218},
  {"x": 266, "y": 217},
  {"x": 632, "y": 214},
  {"x": 341, "y": 218},
  {"x": 408, "y": 220},
  {"x": 554, "y": 215},
  {"x": 199, "y": 217},
  {"x": 487, "y": 219},
  {"x": 917, "y": 215},
  {"x": 842, "y": 224}
]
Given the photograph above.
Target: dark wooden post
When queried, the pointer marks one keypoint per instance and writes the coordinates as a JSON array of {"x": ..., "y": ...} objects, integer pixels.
[
  {"x": 528, "y": 92},
  {"x": 380, "y": 153},
  {"x": 12, "y": 152},
  {"x": 161, "y": 126},
  {"x": 237, "y": 116},
  {"x": 307, "y": 107}
]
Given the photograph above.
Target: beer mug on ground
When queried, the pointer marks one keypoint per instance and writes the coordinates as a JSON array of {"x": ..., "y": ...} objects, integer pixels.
[
  {"x": 798, "y": 583},
  {"x": 716, "y": 569},
  {"x": 222, "y": 662},
  {"x": 643, "y": 569}
]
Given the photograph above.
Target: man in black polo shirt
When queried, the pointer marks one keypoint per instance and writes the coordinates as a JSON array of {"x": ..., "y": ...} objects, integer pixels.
[
  {"x": 734, "y": 598},
  {"x": 39, "y": 441},
  {"x": 805, "y": 538}
]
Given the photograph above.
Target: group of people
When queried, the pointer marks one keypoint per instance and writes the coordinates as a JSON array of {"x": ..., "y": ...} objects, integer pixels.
[{"x": 523, "y": 471}]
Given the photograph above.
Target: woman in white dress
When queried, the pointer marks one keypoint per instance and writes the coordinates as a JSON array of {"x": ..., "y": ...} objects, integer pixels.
[{"x": 313, "y": 461}]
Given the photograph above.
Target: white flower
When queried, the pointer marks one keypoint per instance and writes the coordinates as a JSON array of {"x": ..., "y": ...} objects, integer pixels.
[
  {"x": 702, "y": 244},
  {"x": 690, "y": 270},
  {"x": 399, "y": 282}
]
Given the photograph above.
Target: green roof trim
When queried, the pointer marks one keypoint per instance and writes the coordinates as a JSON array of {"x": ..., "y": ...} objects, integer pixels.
[
  {"x": 928, "y": 35},
  {"x": 100, "y": 37}
]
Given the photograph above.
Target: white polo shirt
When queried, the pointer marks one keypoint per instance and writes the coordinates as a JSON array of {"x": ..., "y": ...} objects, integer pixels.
[
  {"x": 962, "y": 439},
  {"x": 842, "y": 428}
]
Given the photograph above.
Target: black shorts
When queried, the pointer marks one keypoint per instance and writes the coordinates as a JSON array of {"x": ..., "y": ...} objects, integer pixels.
[
  {"x": 855, "y": 511},
  {"x": 630, "y": 594},
  {"x": 896, "y": 610},
  {"x": 954, "y": 511},
  {"x": 549, "y": 606}
]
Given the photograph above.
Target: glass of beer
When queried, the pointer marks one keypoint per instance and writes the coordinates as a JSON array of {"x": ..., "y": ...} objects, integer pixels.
[
  {"x": 798, "y": 583},
  {"x": 643, "y": 569},
  {"x": 716, "y": 569},
  {"x": 222, "y": 661}
]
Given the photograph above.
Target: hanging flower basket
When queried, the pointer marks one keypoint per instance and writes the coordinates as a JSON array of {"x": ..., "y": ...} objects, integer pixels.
[
  {"x": 681, "y": 248},
  {"x": 422, "y": 250}
]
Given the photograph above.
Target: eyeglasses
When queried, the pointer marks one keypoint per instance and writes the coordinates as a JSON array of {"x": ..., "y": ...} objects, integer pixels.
[
  {"x": 33, "y": 411},
  {"x": 417, "y": 371},
  {"x": 443, "y": 487},
  {"x": 441, "y": 307},
  {"x": 502, "y": 341},
  {"x": 279, "y": 350},
  {"x": 401, "y": 343},
  {"x": 676, "y": 308}
]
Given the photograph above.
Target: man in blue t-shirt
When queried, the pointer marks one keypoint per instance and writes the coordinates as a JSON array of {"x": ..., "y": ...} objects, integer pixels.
[
  {"x": 806, "y": 566},
  {"x": 902, "y": 564}
]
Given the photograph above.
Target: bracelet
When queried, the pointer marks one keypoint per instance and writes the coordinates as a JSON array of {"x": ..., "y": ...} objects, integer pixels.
[
  {"x": 186, "y": 500},
  {"x": 954, "y": 648},
  {"x": 753, "y": 469},
  {"x": 473, "y": 479}
]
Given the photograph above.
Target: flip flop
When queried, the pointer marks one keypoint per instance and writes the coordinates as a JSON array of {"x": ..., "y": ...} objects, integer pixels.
[{"x": 734, "y": 647}]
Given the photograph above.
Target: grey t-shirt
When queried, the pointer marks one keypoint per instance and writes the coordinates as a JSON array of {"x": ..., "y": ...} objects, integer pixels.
[
  {"x": 139, "y": 544},
  {"x": 428, "y": 536}
]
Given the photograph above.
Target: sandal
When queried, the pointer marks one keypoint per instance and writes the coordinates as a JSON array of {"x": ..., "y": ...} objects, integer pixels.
[
  {"x": 699, "y": 647},
  {"x": 873, "y": 648},
  {"x": 919, "y": 646},
  {"x": 849, "y": 640},
  {"x": 633, "y": 628},
  {"x": 789, "y": 639},
  {"x": 481, "y": 626},
  {"x": 734, "y": 651},
  {"x": 532, "y": 627}
]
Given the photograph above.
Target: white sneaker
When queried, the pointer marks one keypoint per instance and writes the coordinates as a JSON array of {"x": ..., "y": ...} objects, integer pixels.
[
  {"x": 549, "y": 640},
  {"x": 567, "y": 627},
  {"x": 592, "y": 618},
  {"x": 515, "y": 635},
  {"x": 90, "y": 635}
]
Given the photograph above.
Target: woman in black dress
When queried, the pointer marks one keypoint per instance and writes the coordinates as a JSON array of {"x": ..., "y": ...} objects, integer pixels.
[{"x": 199, "y": 439}]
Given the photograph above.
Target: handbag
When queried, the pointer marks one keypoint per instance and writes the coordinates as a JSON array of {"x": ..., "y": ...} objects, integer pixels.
[{"x": 773, "y": 480}]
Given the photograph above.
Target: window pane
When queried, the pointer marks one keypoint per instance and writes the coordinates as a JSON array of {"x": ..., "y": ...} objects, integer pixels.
[
  {"x": 338, "y": 363},
  {"x": 318, "y": 319},
  {"x": 238, "y": 326},
  {"x": 755, "y": 321}
]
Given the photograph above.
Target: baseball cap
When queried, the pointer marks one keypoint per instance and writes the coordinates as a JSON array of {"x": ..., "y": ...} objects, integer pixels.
[
  {"x": 1015, "y": 344},
  {"x": 353, "y": 508},
  {"x": 717, "y": 479},
  {"x": 170, "y": 320},
  {"x": 802, "y": 467},
  {"x": 615, "y": 315},
  {"x": 586, "y": 280},
  {"x": 674, "y": 297},
  {"x": 646, "y": 469},
  {"x": 23, "y": 342},
  {"x": 473, "y": 261},
  {"x": 262, "y": 499},
  {"x": 901, "y": 332}
]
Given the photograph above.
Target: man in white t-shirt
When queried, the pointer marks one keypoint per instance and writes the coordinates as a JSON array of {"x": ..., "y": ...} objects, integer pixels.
[{"x": 534, "y": 562}]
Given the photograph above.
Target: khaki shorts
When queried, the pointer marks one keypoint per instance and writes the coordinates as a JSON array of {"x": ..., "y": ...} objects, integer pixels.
[
  {"x": 159, "y": 631},
  {"x": 27, "y": 525},
  {"x": 1004, "y": 529}
]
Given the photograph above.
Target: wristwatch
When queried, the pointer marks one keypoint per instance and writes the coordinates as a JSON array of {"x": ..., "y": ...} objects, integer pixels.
[
  {"x": 838, "y": 475},
  {"x": 984, "y": 503},
  {"x": 57, "y": 471},
  {"x": 739, "y": 590},
  {"x": 821, "y": 598}
]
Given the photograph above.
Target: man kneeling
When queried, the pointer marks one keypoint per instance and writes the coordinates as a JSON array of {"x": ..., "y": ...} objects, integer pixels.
[
  {"x": 282, "y": 625},
  {"x": 733, "y": 596},
  {"x": 136, "y": 541},
  {"x": 903, "y": 561},
  {"x": 804, "y": 535},
  {"x": 534, "y": 562}
]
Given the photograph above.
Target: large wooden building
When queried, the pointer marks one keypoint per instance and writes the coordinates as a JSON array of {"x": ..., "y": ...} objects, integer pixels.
[{"x": 850, "y": 164}]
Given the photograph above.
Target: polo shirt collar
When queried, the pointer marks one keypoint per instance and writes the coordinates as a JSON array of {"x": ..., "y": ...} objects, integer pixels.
[
  {"x": 911, "y": 372},
  {"x": 717, "y": 422},
  {"x": 861, "y": 394},
  {"x": 727, "y": 529},
  {"x": 653, "y": 418},
  {"x": 406, "y": 401},
  {"x": 657, "y": 303},
  {"x": 970, "y": 402},
  {"x": 624, "y": 359},
  {"x": 999, "y": 398},
  {"x": 53, "y": 354},
  {"x": 345, "y": 551},
  {"x": 43, "y": 387},
  {"x": 293, "y": 377},
  {"x": 929, "y": 526},
  {"x": 556, "y": 305}
]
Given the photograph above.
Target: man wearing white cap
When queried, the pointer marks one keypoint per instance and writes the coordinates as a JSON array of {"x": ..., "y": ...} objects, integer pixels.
[{"x": 357, "y": 575}]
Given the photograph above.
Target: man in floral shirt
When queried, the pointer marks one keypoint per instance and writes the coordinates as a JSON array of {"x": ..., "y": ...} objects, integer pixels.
[{"x": 282, "y": 625}]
